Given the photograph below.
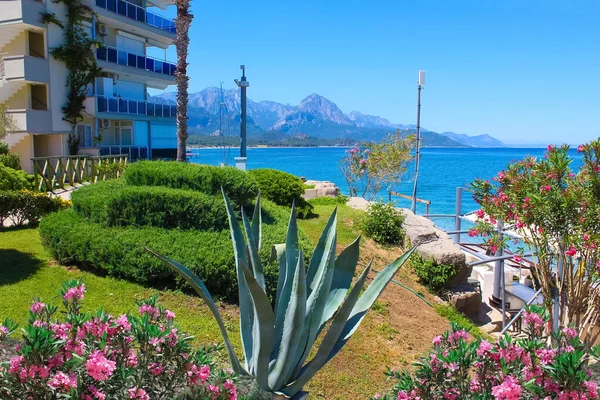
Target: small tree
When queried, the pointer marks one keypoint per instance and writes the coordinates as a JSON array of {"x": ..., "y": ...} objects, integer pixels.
[
  {"x": 367, "y": 167},
  {"x": 7, "y": 122},
  {"x": 556, "y": 211}
]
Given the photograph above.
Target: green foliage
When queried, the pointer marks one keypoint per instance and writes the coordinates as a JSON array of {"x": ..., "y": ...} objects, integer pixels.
[
  {"x": 78, "y": 55},
  {"x": 113, "y": 203},
  {"x": 383, "y": 224},
  {"x": 457, "y": 318},
  {"x": 203, "y": 178},
  {"x": 368, "y": 167},
  {"x": 340, "y": 199},
  {"x": 25, "y": 206},
  {"x": 12, "y": 179},
  {"x": 111, "y": 170},
  {"x": 277, "y": 341},
  {"x": 11, "y": 160},
  {"x": 282, "y": 188},
  {"x": 433, "y": 275},
  {"x": 3, "y": 148},
  {"x": 119, "y": 251}
]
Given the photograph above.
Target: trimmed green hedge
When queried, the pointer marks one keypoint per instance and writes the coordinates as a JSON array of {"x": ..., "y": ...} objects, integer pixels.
[
  {"x": 25, "y": 206},
  {"x": 113, "y": 203},
  {"x": 12, "y": 179},
  {"x": 119, "y": 251},
  {"x": 238, "y": 185},
  {"x": 282, "y": 188}
]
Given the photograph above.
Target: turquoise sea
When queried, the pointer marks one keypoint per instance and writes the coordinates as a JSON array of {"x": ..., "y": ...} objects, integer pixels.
[{"x": 442, "y": 169}]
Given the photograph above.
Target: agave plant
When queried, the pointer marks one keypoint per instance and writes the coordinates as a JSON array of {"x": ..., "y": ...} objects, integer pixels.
[{"x": 278, "y": 340}]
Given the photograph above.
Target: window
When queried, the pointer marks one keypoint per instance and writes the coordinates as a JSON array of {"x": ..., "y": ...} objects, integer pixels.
[
  {"x": 84, "y": 132},
  {"x": 124, "y": 133}
]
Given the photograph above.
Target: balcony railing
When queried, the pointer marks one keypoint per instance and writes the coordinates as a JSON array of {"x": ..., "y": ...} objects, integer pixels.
[
  {"x": 138, "y": 13},
  {"x": 122, "y": 57},
  {"x": 134, "y": 107}
]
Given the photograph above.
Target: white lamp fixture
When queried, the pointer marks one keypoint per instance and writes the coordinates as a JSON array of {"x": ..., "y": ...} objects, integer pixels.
[{"x": 421, "y": 78}]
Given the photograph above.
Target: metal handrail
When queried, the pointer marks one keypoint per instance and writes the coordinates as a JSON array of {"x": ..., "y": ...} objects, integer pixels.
[
  {"x": 134, "y": 107},
  {"x": 2, "y": 67},
  {"x": 404, "y": 196},
  {"x": 112, "y": 54},
  {"x": 516, "y": 317},
  {"x": 141, "y": 14}
]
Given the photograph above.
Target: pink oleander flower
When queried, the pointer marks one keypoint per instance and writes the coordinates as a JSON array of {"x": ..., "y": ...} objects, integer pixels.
[
  {"x": 123, "y": 322},
  {"x": 37, "y": 307},
  {"x": 170, "y": 315},
  {"x": 510, "y": 389},
  {"x": 437, "y": 340},
  {"x": 580, "y": 148},
  {"x": 571, "y": 252},
  {"x": 4, "y": 330},
  {"x": 484, "y": 347},
  {"x": 480, "y": 214},
  {"x": 546, "y": 188},
  {"x": 99, "y": 367},
  {"x": 61, "y": 331},
  {"x": 15, "y": 364},
  {"x": 533, "y": 319},
  {"x": 148, "y": 309},
  {"x": 156, "y": 369},
  {"x": 138, "y": 394},
  {"x": 546, "y": 356},
  {"x": 63, "y": 382},
  {"x": 592, "y": 389},
  {"x": 570, "y": 333},
  {"x": 517, "y": 258},
  {"x": 196, "y": 374},
  {"x": 75, "y": 293}
]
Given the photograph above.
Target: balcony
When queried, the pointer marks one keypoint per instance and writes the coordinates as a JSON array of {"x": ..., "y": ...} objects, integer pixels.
[
  {"x": 153, "y": 71},
  {"x": 25, "y": 68},
  {"x": 115, "y": 105},
  {"x": 138, "y": 13},
  {"x": 32, "y": 121}
]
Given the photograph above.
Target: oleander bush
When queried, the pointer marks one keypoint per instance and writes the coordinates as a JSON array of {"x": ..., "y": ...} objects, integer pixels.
[
  {"x": 82, "y": 355},
  {"x": 383, "y": 224},
  {"x": 529, "y": 368},
  {"x": 238, "y": 185},
  {"x": 282, "y": 189},
  {"x": 433, "y": 275},
  {"x": 113, "y": 203},
  {"x": 25, "y": 206},
  {"x": 13, "y": 179},
  {"x": 119, "y": 251},
  {"x": 11, "y": 160}
]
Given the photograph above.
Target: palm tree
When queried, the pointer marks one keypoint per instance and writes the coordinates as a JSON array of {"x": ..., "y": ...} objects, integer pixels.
[{"x": 182, "y": 42}]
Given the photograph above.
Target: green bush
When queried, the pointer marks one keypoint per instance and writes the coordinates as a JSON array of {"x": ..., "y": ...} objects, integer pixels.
[
  {"x": 433, "y": 275},
  {"x": 12, "y": 179},
  {"x": 11, "y": 160},
  {"x": 240, "y": 188},
  {"x": 329, "y": 201},
  {"x": 113, "y": 203},
  {"x": 282, "y": 188},
  {"x": 25, "y": 206},
  {"x": 4, "y": 148},
  {"x": 383, "y": 223},
  {"x": 119, "y": 251}
]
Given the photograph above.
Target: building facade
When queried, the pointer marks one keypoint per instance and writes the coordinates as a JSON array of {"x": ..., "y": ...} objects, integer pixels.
[{"x": 118, "y": 116}]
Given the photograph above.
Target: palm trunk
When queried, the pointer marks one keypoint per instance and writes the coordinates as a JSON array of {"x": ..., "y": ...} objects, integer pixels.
[{"x": 182, "y": 41}]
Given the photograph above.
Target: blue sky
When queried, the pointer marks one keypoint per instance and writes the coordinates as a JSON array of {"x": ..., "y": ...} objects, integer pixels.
[{"x": 524, "y": 71}]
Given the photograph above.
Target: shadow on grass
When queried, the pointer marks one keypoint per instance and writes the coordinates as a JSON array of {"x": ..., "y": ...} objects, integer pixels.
[{"x": 16, "y": 266}]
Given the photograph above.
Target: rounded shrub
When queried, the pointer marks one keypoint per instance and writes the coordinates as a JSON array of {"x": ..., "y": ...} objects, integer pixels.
[
  {"x": 25, "y": 206},
  {"x": 282, "y": 189},
  {"x": 383, "y": 224},
  {"x": 435, "y": 276},
  {"x": 113, "y": 203},
  {"x": 11, "y": 160},
  {"x": 12, "y": 179},
  {"x": 119, "y": 251},
  {"x": 240, "y": 188}
]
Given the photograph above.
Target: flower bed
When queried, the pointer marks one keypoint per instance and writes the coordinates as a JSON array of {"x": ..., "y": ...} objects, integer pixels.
[{"x": 88, "y": 356}]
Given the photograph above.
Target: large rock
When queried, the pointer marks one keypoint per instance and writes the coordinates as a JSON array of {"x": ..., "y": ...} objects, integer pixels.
[
  {"x": 358, "y": 203},
  {"x": 418, "y": 229},
  {"x": 321, "y": 189},
  {"x": 445, "y": 251},
  {"x": 465, "y": 299}
]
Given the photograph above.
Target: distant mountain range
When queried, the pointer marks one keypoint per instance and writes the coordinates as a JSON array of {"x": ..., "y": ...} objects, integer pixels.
[{"x": 215, "y": 112}]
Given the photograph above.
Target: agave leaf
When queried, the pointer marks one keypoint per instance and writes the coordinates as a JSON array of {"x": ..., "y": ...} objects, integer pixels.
[
  {"x": 252, "y": 249},
  {"x": 317, "y": 299},
  {"x": 203, "y": 292},
  {"x": 293, "y": 327},
  {"x": 331, "y": 337},
  {"x": 286, "y": 278},
  {"x": 343, "y": 273},
  {"x": 246, "y": 312},
  {"x": 257, "y": 223},
  {"x": 263, "y": 329},
  {"x": 367, "y": 299},
  {"x": 317, "y": 257}
]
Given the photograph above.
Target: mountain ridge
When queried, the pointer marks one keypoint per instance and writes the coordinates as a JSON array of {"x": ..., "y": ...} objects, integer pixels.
[{"x": 213, "y": 111}]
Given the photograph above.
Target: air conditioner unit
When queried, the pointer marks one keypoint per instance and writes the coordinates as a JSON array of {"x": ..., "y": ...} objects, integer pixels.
[
  {"x": 102, "y": 29},
  {"x": 105, "y": 123}
]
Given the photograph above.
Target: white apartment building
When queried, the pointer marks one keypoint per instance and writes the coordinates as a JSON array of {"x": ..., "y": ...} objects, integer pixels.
[{"x": 117, "y": 110}]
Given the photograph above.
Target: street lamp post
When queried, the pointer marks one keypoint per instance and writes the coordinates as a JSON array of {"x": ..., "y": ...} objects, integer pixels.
[
  {"x": 243, "y": 84},
  {"x": 421, "y": 84}
]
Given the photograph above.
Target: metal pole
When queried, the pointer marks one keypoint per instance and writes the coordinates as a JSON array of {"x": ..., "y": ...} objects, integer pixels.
[
  {"x": 243, "y": 116},
  {"x": 458, "y": 211},
  {"x": 498, "y": 270},
  {"x": 417, "y": 152}
]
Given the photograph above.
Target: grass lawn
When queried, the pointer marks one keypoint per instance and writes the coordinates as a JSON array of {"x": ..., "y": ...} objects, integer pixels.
[{"x": 397, "y": 331}]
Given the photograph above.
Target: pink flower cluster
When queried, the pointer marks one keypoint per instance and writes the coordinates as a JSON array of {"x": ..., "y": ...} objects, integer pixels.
[
  {"x": 75, "y": 293},
  {"x": 99, "y": 367}
]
